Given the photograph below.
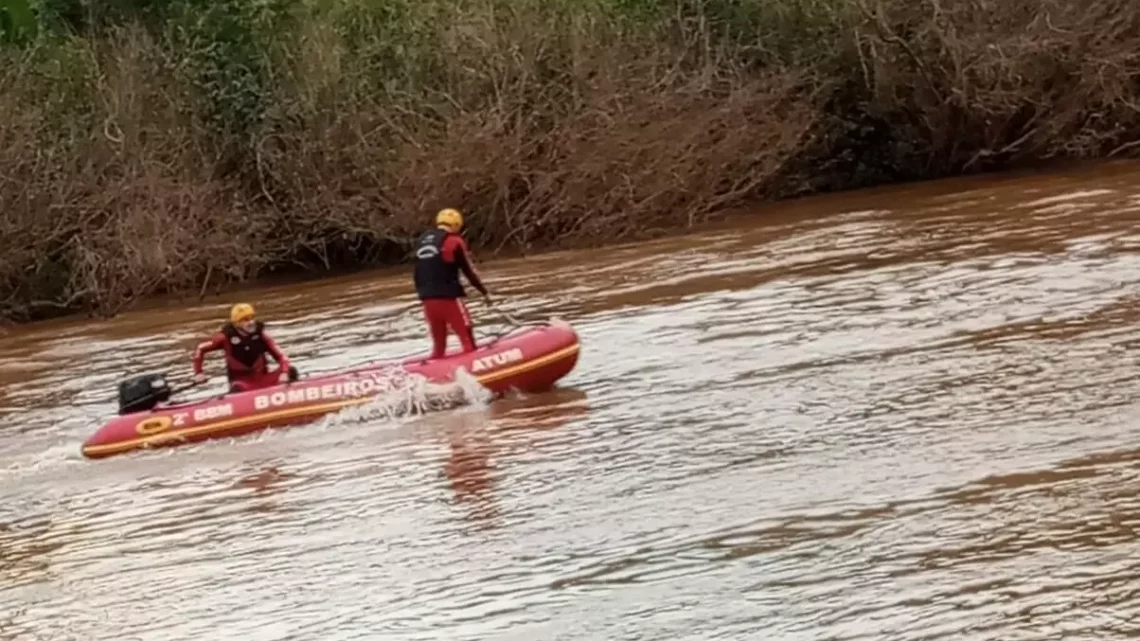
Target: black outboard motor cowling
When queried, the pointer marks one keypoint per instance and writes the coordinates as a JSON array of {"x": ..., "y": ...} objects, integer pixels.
[{"x": 142, "y": 393}]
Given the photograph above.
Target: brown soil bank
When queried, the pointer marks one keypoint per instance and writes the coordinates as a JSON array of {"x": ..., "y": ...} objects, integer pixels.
[{"x": 154, "y": 146}]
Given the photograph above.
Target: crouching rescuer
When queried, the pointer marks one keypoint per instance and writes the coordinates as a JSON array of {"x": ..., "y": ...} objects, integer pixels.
[
  {"x": 440, "y": 255},
  {"x": 245, "y": 344}
]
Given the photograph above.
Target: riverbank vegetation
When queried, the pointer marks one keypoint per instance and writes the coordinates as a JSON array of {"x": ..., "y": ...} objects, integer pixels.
[{"x": 153, "y": 146}]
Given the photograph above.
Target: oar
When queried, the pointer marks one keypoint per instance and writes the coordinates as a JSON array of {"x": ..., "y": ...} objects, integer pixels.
[
  {"x": 150, "y": 400},
  {"x": 511, "y": 320},
  {"x": 174, "y": 391}
]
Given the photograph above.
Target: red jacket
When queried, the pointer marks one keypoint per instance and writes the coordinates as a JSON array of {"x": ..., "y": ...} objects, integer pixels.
[{"x": 245, "y": 353}]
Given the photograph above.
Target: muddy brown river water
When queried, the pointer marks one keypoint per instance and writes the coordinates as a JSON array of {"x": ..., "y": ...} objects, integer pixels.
[{"x": 901, "y": 414}]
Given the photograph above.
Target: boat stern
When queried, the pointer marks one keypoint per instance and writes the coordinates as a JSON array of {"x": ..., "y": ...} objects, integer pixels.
[{"x": 531, "y": 362}]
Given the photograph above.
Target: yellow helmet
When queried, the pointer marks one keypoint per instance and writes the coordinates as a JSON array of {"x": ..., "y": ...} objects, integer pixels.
[
  {"x": 450, "y": 217},
  {"x": 240, "y": 312}
]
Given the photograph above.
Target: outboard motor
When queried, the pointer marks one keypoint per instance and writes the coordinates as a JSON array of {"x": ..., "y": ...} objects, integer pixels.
[{"x": 142, "y": 393}]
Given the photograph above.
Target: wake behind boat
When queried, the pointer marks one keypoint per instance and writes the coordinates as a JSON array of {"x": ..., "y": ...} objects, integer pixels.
[{"x": 529, "y": 359}]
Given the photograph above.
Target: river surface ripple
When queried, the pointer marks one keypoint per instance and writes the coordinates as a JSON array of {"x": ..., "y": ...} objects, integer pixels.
[{"x": 900, "y": 414}]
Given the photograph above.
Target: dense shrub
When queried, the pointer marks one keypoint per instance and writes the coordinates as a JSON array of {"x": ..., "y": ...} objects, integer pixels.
[{"x": 154, "y": 145}]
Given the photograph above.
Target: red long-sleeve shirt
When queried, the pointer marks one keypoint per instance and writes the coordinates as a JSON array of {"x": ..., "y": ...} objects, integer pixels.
[{"x": 455, "y": 250}]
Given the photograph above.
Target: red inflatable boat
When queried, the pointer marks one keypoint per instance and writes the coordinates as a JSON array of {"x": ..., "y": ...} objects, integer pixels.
[{"x": 529, "y": 359}]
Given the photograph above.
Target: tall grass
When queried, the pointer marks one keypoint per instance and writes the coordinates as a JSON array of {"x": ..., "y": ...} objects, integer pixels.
[{"x": 172, "y": 145}]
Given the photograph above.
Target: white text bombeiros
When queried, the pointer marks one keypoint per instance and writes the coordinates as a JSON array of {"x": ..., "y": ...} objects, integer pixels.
[
  {"x": 338, "y": 391},
  {"x": 327, "y": 392}
]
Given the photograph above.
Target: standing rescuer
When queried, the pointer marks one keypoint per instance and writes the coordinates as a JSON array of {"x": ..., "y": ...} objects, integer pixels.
[
  {"x": 245, "y": 343},
  {"x": 440, "y": 255}
]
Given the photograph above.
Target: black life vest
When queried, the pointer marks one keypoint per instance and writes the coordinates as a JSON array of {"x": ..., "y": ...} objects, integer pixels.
[
  {"x": 434, "y": 277},
  {"x": 246, "y": 349}
]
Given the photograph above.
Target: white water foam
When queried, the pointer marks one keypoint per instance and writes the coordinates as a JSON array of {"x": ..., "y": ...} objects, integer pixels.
[{"x": 409, "y": 395}]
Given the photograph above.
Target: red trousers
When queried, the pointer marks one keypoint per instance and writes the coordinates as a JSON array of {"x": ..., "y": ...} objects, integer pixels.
[
  {"x": 254, "y": 380},
  {"x": 442, "y": 313}
]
